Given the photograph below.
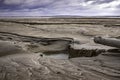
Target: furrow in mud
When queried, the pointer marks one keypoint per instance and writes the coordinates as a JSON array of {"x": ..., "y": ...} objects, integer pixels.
[{"x": 23, "y": 38}]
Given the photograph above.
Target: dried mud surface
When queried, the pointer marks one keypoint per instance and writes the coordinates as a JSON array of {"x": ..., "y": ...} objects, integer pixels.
[{"x": 22, "y": 42}]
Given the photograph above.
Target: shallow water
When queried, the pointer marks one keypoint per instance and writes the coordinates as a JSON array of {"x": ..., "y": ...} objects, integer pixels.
[{"x": 57, "y": 56}]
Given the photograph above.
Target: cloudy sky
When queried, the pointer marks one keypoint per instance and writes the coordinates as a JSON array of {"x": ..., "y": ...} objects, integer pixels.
[{"x": 59, "y": 7}]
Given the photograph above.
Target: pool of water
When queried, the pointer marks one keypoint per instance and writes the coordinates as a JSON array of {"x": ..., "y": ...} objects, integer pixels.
[{"x": 57, "y": 56}]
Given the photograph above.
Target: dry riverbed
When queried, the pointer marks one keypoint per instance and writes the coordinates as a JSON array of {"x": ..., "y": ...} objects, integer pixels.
[{"x": 58, "y": 49}]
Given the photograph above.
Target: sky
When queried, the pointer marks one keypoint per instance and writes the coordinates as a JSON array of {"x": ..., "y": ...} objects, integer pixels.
[{"x": 59, "y": 7}]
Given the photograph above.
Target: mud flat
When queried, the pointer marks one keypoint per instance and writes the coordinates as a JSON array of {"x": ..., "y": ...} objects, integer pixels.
[{"x": 58, "y": 49}]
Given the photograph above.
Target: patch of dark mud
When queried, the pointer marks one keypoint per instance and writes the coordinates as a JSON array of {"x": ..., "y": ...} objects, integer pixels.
[
  {"x": 73, "y": 53},
  {"x": 118, "y": 37},
  {"x": 112, "y": 25},
  {"x": 112, "y": 52}
]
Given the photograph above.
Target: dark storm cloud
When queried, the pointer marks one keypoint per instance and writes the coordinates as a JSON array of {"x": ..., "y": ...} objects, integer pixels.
[{"x": 59, "y": 7}]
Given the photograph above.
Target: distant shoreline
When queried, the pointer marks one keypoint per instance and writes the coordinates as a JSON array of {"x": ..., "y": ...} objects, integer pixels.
[{"x": 59, "y": 16}]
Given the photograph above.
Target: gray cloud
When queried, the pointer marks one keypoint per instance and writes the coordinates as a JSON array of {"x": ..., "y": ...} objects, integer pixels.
[
  {"x": 29, "y": 3},
  {"x": 61, "y": 7},
  {"x": 13, "y": 2},
  {"x": 99, "y": 1},
  {"x": 118, "y": 6}
]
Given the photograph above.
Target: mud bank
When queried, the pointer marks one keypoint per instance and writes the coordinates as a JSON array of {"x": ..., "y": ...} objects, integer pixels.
[{"x": 47, "y": 46}]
